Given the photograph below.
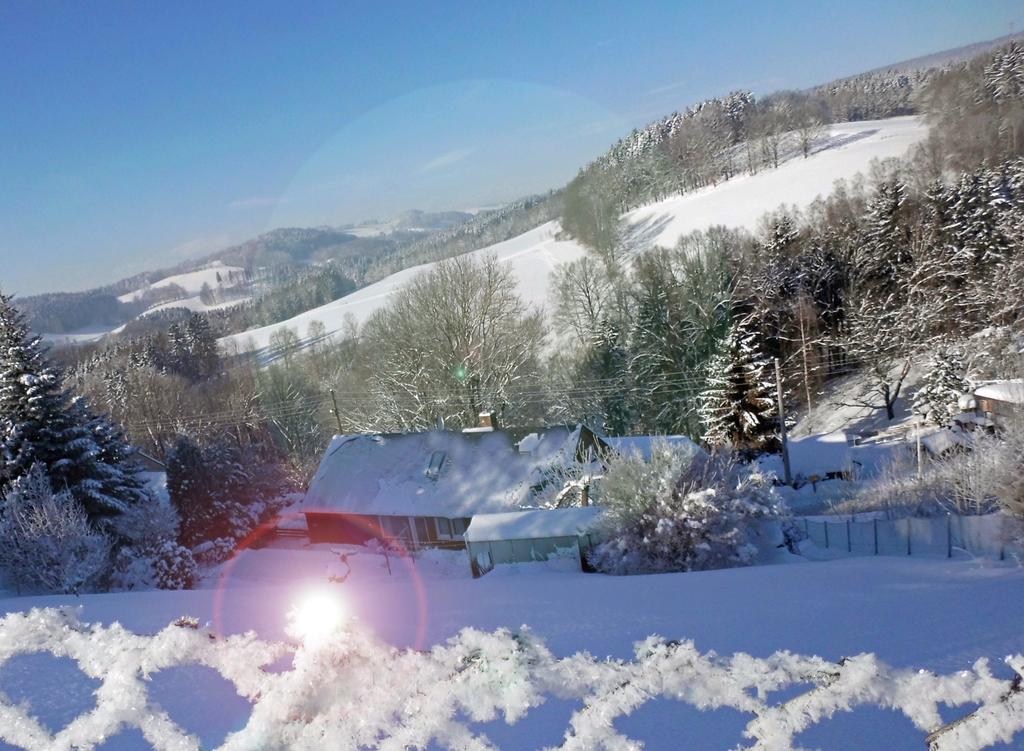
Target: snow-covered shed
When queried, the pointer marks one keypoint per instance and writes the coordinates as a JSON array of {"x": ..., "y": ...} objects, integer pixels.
[
  {"x": 530, "y": 536},
  {"x": 423, "y": 488},
  {"x": 1000, "y": 401},
  {"x": 945, "y": 441}
]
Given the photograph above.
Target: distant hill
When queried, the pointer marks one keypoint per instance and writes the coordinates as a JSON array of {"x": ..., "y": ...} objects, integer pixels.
[
  {"x": 947, "y": 57},
  {"x": 371, "y": 251}
]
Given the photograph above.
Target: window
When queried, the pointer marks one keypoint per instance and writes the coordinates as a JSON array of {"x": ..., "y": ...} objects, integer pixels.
[
  {"x": 444, "y": 528},
  {"x": 424, "y": 529},
  {"x": 433, "y": 470}
]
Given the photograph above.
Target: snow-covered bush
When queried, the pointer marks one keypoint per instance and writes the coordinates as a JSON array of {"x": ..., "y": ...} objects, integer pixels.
[
  {"x": 152, "y": 556},
  {"x": 212, "y": 552},
  {"x": 174, "y": 567},
  {"x": 46, "y": 542},
  {"x": 682, "y": 510},
  {"x": 983, "y": 476}
]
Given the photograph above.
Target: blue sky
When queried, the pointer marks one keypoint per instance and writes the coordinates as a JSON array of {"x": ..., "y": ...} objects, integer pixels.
[{"x": 135, "y": 134}]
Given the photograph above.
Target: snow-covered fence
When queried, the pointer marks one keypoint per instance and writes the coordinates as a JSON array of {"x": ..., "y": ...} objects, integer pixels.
[
  {"x": 348, "y": 690},
  {"x": 931, "y": 536}
]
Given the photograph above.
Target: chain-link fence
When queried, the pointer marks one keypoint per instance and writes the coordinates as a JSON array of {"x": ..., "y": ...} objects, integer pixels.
[{"x": 933, "y": 536}]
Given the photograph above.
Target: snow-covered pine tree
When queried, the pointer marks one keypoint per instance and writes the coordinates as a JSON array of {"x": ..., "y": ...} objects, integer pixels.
[
  {"x": 202, "y": 345},
  {"x": 42, "y": 423},
  {"x": 940, "y": 282},
  {"x": 1011, "y": 224},
  {"x": 767, "y": 289},
  {"x": 608, "y": 362},
  {"x": 944, "y": 381},
  {"x": 883, "y": 259},
  {"x": 212, "y": 490},
  {"x": 658, "y": 347},
  {"x": 737, "y": 407},
  {"x": 979, "y": 199}
]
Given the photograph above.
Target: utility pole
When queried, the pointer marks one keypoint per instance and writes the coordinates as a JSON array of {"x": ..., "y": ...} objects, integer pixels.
[
  {"x": 807, "y": 370},
  {"x": 920, "y": 470},
  {"x": 782, "y": 424},
  {"x": 337, "y": 417}
]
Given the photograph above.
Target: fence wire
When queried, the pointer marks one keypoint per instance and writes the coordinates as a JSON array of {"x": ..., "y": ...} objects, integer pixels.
[{"x": 942, "y": 536}]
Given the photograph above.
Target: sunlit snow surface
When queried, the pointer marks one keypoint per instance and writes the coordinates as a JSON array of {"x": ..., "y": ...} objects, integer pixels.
[
  {"x": 740, "y": 202},
  {"x": 930, "y": 614}
]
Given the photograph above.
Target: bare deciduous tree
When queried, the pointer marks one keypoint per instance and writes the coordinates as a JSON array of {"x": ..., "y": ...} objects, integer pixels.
[{"x": 456, "y": 341}]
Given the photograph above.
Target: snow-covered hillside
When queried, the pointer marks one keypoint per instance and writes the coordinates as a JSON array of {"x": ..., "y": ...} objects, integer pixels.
[
  {"x": 192, "y": 282},
  {"x": 740, "y": 202},
  {"x": 195, "y": 304}
]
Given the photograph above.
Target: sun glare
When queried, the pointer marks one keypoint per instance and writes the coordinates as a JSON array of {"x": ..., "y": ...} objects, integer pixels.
[{"x": 316, "y": 615}]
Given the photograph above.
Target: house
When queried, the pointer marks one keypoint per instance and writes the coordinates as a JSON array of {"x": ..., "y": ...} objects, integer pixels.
[
  {"x": 1002, "y": 402},
  {"x": 422, "y": 489},
  {"x": 531, "y": 536}
]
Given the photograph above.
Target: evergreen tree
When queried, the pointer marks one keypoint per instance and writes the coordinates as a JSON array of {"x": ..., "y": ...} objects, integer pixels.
[
  {"x": 657, "y": 347},
  {"x": 883, "y": 260},
  {"x": 979, "y": 199},
  {"x": 201, "y": 345},
  {"x": 608, "y": 363},
  {"x": 944, "y": 381},
  {"x": 737, "y": 407},
  {"x": 1011, "y": 288},
  {"x": 42, "y": 423},
  {"x": 213, "y": 492}
]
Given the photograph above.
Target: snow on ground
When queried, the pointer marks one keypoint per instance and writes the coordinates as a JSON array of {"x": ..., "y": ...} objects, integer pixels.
[
  {"x": 740, "y": 202},
  {"x": 192, "y": 282},
  {"x": 83, "y": 335},
  {"x": 196, "y": 305},
  {"x": 912, "y": 613}
]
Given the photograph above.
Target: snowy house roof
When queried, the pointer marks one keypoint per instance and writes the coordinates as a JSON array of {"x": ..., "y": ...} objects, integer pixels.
[
  {"x": 532, "y": 525},
  {"x": 435, "y": 473},
  {"x": 148, "y": 463},
  {"x": 642, "y": 444},
  {"x": 1011, "y": 391}
]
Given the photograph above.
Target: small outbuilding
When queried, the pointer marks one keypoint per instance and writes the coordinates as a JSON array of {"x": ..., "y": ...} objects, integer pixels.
[
  {"x": 531, "y": 536},
  {"x": 1002, "y": 402}
]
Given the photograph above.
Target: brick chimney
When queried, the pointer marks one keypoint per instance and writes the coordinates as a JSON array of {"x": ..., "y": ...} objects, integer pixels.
[{"x": 488, "y": 420}]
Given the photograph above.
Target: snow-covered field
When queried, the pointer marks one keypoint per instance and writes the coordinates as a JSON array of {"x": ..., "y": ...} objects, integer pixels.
[
  {"x": 196, "y": 305},
  {"x": 192, "y": 282},
  {"x": 740, "y": 202},
  {"x": 83, "y": 335},
  {"x": 935, "y": 615}
]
